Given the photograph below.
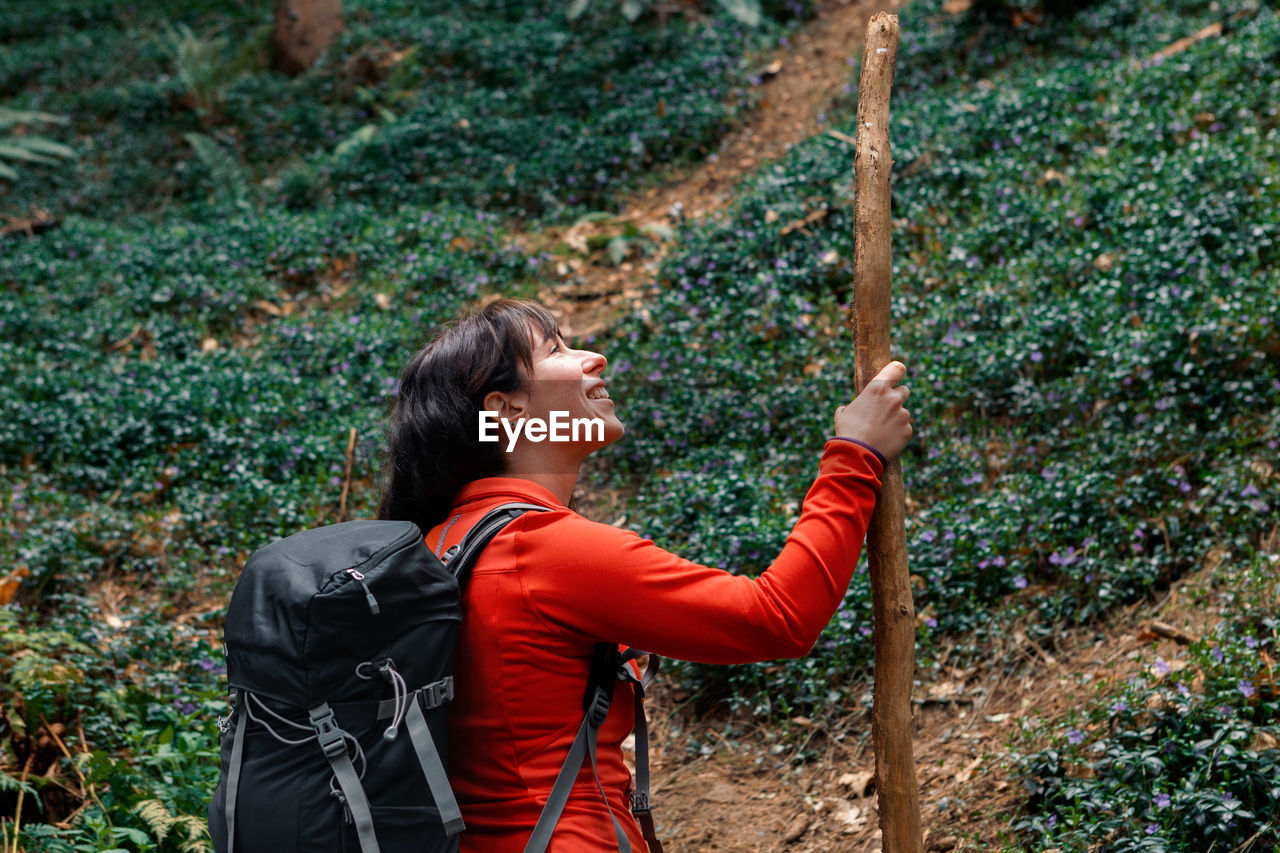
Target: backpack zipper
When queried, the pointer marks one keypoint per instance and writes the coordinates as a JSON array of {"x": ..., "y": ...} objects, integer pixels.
[{"x": 368, "y": 594}]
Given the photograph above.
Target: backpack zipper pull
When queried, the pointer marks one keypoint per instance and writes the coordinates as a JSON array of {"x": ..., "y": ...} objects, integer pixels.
[{"x": 368, "y": 594}]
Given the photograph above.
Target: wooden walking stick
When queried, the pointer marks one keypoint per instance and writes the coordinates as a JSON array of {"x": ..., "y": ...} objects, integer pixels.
[{"x": 894, "y": 612}]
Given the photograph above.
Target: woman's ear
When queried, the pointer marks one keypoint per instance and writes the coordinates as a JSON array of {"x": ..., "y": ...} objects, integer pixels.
[{"x": 510, "y": 405}]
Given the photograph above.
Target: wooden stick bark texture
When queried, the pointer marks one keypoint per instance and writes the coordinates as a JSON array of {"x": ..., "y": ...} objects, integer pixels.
[{"x": 892, "y": 606}]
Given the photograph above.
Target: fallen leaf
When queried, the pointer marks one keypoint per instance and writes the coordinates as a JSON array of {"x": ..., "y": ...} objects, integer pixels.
[
  {"x": 722, "y": 793},
  {"x": 796, "y": 829},
  {"x": 11, "y": 582},
  {"x": 858, "y": 783},
  {"x": 851, "y": 816},
  {"x": 1264, "y": 740},
  {"x": 813, "y": 217},
  {"x": 967, "y": 773}
]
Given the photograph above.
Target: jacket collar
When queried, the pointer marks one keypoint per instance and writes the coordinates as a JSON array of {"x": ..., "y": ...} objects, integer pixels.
[{"x": 503, "y": 489}]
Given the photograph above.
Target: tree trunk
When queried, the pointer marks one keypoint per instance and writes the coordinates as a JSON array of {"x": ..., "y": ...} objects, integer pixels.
[
  {"x": 303, "y": 30},
  {"x": 892, "y": 607}
]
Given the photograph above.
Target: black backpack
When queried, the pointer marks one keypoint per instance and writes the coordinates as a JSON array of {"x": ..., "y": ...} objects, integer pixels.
[{"x": 339, "y": 645}]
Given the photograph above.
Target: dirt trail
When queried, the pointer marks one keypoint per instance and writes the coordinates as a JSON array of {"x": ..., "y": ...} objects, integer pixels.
[
  {"x": 801, "y": 81},
  {"x": 745, "y": 791}
]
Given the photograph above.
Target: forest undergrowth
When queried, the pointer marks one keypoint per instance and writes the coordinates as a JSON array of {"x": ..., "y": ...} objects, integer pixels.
[{"x": 204, "y": 315}]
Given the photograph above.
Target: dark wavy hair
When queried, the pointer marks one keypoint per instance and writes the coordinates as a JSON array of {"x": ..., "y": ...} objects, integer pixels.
[{"x": 434, "y": 446}]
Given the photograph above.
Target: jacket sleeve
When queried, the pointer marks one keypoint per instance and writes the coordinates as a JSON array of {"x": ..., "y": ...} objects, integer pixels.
[{"x": 588, "y": 579}]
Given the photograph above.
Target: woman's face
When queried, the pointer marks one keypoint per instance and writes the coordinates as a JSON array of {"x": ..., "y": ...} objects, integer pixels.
[{"x": 567, "y": 385}]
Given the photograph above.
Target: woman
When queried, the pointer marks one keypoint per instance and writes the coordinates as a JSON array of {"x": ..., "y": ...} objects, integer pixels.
[{"x": 552, "y": 584}]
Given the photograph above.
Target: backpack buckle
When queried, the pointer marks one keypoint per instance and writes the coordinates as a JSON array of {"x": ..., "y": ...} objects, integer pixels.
[
  {"x": 599, "y": 707},
  {"x": 640, "y": 803},
  {"x": 331, "y": 737},
  {"x": 437, "y": 693}
]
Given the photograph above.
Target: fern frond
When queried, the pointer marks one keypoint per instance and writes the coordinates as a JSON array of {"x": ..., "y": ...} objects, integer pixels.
[
  {"x": 22, "y": 148},
  {"x": 13, "y": 783},
  {"x": 157, "y": 817},
  {"x": 10, "y": 117},
  {"x": 230, "y": 183},
  {"x": 197, "y": 834}
]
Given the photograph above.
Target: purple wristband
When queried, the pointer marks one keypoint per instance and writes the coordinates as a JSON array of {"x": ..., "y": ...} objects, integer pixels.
[{"x": 883, "y": 462}]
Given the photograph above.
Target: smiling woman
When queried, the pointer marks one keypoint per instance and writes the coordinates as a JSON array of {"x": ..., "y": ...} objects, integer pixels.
[{"x": 552, "y": 586}]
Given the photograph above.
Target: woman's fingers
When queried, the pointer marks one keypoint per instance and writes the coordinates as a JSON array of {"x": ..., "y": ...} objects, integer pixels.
[
  {"x": 877, "y": 415},
  {"x": 891, "y": 373}
]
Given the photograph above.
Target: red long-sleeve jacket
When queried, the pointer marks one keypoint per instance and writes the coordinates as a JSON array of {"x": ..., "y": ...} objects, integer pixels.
[{"x": 552, "y": 584}]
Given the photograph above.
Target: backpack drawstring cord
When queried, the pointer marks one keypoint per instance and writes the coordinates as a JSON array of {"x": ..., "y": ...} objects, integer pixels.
[
  {"x": 252, "y": 700},
  {"x": 399, "y": 690}
]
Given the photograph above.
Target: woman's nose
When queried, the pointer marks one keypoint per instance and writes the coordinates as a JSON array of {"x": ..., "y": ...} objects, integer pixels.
[{"x": 592, "y": 362}]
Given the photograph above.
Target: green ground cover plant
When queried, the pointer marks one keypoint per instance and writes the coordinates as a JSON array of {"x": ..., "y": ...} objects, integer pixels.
[
  {"x": 1184, "y": 755},
  {"x": 1086, "y": 248},
  {"x": 416, "y": 103},
  {"x": 176, "y": 396}
]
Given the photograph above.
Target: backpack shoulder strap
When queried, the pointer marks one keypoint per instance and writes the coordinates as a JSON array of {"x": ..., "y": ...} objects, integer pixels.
[
  {"x": 460, "y": 562},
  {"x": 608, "y": 666},
  {"x": 640, "y": 806},
  {"x": 600, "y": 682}
]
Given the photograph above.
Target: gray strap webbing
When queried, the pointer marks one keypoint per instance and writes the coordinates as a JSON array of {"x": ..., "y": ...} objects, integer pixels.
[
  {"x": 640, "y": 806},
  {"x": 432, "y": 696},
  {"x": 624, "y": 845},
  {"x": 433, "y": 769},
  {"x": 333, "y": 740},
  {"x": 584, "y": 745},
  {"x": 233, "y": 779}
]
